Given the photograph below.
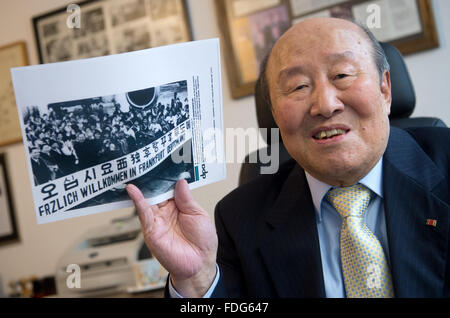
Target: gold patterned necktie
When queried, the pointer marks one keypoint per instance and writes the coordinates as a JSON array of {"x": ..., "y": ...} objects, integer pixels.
[{"x": 364, "y": 264}]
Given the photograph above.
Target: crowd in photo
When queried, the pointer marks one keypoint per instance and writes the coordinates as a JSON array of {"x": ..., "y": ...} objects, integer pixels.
[{"x": 64, "y": 140}]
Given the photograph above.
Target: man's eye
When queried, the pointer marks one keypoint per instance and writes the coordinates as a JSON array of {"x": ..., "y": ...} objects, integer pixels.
[
  {"x": 341, "y": 76},
  {"x": 300, "y": 87}
]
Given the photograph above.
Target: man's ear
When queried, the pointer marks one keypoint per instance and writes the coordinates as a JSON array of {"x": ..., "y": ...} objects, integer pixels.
[{"x": 386, "y": 91}]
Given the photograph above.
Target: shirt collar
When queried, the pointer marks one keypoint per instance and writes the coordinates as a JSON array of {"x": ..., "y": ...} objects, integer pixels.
[{"x": 373, "y": 180}]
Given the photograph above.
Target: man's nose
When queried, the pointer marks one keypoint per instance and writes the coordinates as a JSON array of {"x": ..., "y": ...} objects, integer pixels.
[{"x": 325, "y": 100}]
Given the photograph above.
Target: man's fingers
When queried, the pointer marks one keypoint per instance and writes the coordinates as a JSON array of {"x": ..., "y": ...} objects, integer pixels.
[
  {"x": 134, "y": 193},
  {"x": 183, "y": 198},
  {"x": 144, "y": 209}
]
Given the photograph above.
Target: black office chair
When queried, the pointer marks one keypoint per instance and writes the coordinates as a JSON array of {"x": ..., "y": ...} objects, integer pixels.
[{"x": 403, "y": 104}]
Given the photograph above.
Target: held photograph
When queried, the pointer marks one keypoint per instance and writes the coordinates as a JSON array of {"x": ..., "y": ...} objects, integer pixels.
[{"x": 86, "y": 136}]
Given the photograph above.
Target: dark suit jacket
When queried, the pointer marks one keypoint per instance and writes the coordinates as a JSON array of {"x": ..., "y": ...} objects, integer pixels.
[{"x": 268, "y": 240}]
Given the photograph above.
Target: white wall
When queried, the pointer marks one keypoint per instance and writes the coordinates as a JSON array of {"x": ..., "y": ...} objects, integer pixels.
[
  {"x": 428, "y": 70},
  {"x": 41, "y": 246}
]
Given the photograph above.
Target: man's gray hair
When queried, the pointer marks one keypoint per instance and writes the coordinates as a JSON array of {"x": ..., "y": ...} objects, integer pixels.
[{"x": 381, "y": 63}]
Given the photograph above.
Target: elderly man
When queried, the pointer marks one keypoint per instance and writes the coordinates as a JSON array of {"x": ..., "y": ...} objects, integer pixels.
[{"x": 361, "y": 211}]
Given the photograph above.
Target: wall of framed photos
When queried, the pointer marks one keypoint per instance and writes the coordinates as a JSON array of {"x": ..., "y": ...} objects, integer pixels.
[
  {"x": 428, "y": 70},
  {"x": 109, "y": 27},
  {"x": 250, "y": 28}
]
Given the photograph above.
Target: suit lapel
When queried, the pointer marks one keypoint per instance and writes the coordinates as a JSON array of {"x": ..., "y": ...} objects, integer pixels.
[
  {"x": 295, "y": 265},
  {"x": 417, "y": 250}
]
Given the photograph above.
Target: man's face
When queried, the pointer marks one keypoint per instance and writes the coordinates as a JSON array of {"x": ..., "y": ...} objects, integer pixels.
[
  {"x": 327, "y": 99},
  {"x": 46, "y": 149},
  {"x": 35, "y": 154}
]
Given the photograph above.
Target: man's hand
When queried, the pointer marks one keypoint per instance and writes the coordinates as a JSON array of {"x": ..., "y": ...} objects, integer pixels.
[{"x": 181, "y": 236}]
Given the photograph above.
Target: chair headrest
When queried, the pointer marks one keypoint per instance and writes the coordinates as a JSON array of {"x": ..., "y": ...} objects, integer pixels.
[
  {"x": 263, "y": 111},
  {"x": 403, "y": 96}
]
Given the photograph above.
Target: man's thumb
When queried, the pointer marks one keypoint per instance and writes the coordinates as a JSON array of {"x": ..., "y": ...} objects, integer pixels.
[{"x": 183, "y": 198}]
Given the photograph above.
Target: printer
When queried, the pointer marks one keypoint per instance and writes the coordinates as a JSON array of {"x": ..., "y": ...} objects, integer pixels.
[{"x": 105, "y": 256}]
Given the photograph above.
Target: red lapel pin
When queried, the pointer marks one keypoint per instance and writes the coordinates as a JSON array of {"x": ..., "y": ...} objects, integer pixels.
[{"x": 431, "y": 222}]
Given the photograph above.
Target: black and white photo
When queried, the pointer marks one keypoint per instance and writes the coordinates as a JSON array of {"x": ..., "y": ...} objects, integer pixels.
[
  {"x": 92, "y": 126},
  {"x": 161, "y": 9},
  {"x": 110, "y": 26},
  {"x": 126, "y": 11},
  {"x": 93, "y": 22},
  {"x": 66, "y": 137},
  {"x": 132, "y": 39}
]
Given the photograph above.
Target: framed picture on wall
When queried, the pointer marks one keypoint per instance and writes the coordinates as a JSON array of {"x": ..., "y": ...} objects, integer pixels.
[
  {"x": 11, "y": 55},
  {"x": 97, "y": 28},
  {"x": 8, "y": 228},
  {"x": 250, "y": 28}
]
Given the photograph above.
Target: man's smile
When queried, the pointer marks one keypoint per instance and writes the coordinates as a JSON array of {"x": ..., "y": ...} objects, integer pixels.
[{"x": 326, "y": 134}]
